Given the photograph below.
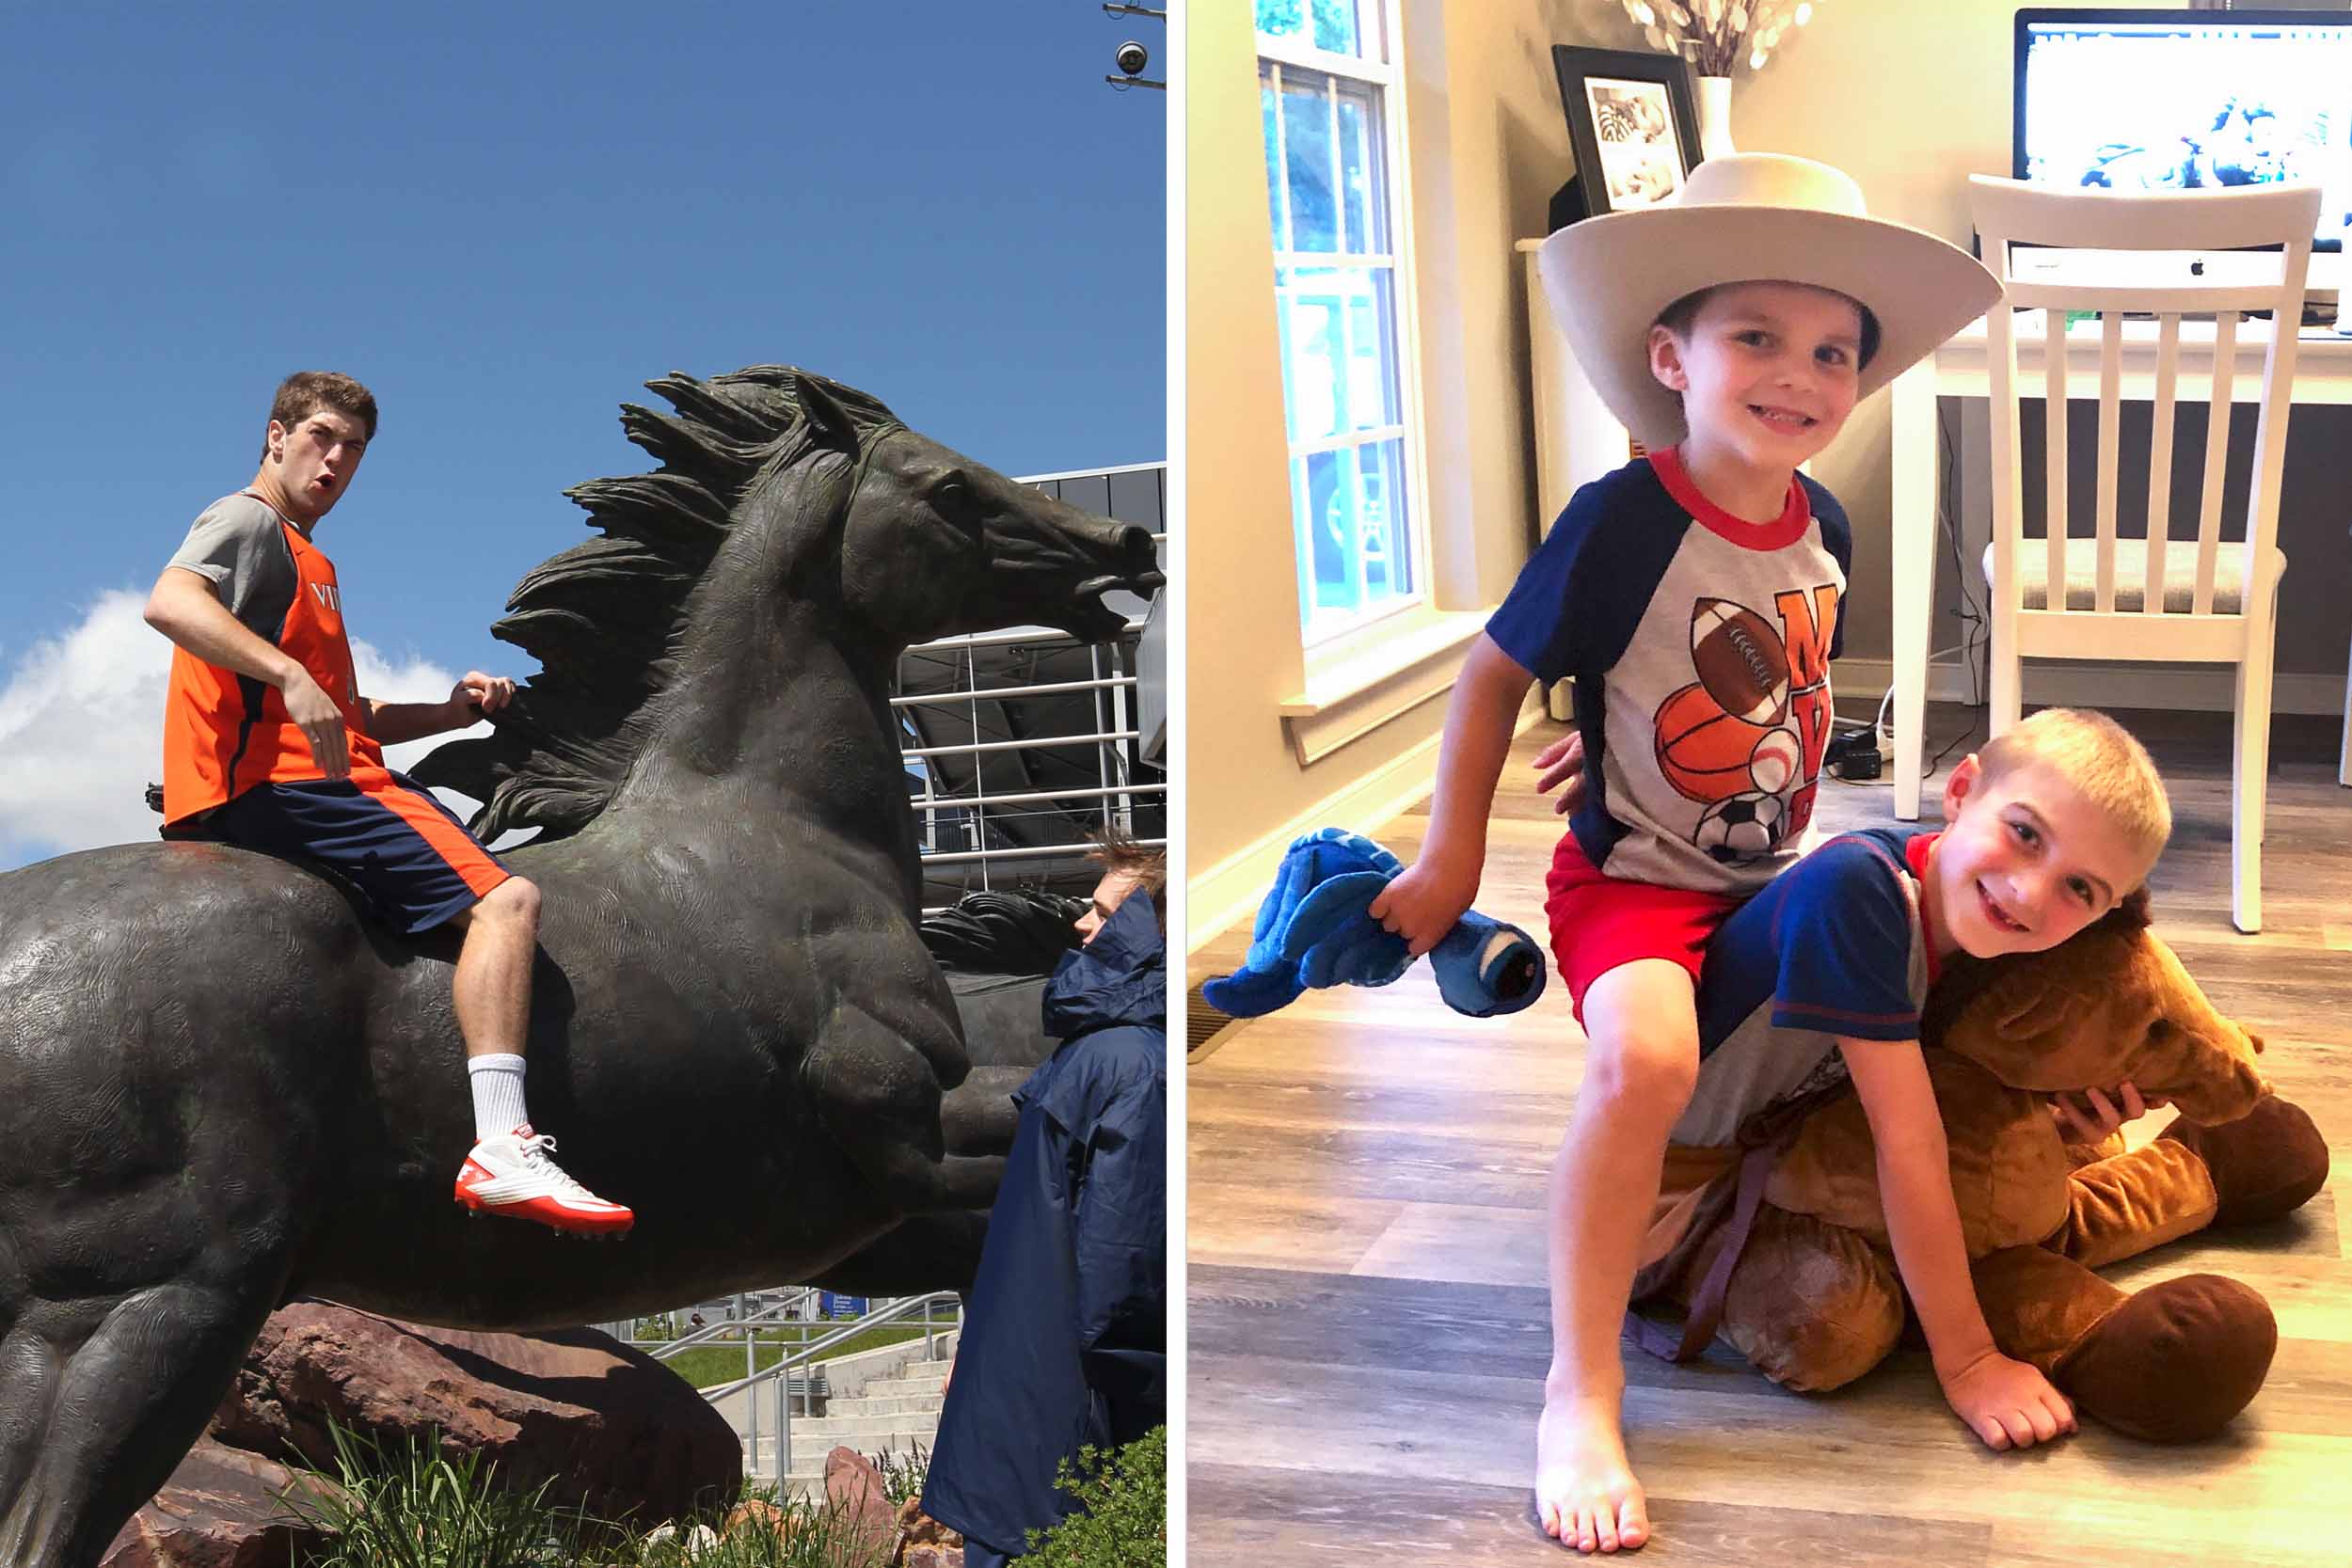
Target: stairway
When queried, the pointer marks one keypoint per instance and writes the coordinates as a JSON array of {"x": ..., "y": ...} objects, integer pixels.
[
  {"x": 892, "y": 1414},
  {"x": 884, "y": 1401}
]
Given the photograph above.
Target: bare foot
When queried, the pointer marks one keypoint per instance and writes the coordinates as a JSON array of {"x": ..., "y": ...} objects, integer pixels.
[{"x": 1585, "y": 1493}]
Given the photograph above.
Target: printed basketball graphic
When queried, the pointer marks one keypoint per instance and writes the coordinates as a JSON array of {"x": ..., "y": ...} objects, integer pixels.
[
  {"x": 1740, "y": 660},
  {"x": 1704, "y": 752},
  {"x": 1772, "y": 765}
]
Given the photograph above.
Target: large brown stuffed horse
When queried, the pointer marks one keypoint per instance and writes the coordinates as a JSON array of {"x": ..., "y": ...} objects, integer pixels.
[{"x": 1813, "y": 1300}]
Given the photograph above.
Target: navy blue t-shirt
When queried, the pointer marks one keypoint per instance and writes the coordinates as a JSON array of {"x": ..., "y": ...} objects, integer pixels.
[{"x": 1836, "y": 946}]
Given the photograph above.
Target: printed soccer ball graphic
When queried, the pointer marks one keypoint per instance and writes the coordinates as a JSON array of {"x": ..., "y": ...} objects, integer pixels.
[{"x": 1743, "y": 827}]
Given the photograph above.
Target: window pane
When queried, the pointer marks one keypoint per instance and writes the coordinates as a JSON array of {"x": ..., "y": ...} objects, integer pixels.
[
  {"x": 1356, "y": 534},
  {"x": 1303, "y": 538},
  {"x": 1332, "y": 541},
  {"x": 1338, "y": 349},
  {"x": 1309, "y": 402},
  {"x": 1335, "y": 25},
  {"x": 1271, "y": 111},
  {"x": 1374, "y": 393},
  {"x": 1307, "y": 145},
  {"x": 1362, "y": 178},
  {"x": 1281, "y": 18},
  {"x": 1384, "y": 525},
  {"x": 1341, "y": 26}
]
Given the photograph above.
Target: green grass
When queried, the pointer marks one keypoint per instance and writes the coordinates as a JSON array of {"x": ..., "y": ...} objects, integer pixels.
[
  {"x": 707, "y": 1366},
  {"x": 403, "y": 1505}
]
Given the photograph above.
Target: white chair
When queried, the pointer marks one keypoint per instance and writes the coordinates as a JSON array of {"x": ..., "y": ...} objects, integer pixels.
[{"x": 2198, "y": 600}]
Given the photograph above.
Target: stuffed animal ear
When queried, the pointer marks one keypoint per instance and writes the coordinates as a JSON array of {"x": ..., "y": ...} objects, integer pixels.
[
  {"x": 2201, "y": 1060},
  {"x": 2034, "y": 1013}
]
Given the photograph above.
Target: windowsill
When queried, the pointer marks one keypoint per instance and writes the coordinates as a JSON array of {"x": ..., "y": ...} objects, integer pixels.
[{"x": 1349, "y": 696}]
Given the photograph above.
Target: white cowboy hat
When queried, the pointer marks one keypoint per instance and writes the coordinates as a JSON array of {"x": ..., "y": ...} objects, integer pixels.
[{"x": 1749, "y": 217}]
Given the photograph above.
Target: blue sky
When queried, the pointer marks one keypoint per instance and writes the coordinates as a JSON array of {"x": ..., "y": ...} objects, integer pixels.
[{"x": 504, "y": 218}]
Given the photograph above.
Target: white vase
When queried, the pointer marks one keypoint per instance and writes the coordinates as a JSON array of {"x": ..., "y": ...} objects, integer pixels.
[{"x": 1715, "y": 117}]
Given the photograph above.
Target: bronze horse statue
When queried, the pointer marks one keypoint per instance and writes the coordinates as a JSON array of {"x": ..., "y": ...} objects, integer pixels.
[{"x": 220, "y": 1088}]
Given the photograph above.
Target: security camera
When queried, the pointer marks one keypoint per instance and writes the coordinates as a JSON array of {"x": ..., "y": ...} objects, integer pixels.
[{"x": 1132, "y": 58}]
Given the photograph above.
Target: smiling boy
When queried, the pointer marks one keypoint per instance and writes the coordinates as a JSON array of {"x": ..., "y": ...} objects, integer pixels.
[{"x": 1822, "y": 975}]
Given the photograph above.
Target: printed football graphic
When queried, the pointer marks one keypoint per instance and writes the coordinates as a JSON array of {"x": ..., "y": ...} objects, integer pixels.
[{"x": 1740, "y": 660}]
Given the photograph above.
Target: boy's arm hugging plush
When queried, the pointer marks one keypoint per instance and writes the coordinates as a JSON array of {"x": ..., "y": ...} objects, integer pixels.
[{"x": 2004, "y": 1402}]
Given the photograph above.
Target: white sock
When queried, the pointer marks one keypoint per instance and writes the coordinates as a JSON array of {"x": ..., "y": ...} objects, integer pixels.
[{"x": 498, "y": 1094}]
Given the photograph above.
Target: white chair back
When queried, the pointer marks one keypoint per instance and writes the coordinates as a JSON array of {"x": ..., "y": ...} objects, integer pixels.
[
  {"x": 2008, "y": 211},
  {"x": 2090, "y": 580}
]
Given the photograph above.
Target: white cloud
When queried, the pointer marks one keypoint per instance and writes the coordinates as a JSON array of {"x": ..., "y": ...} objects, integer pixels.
[{"x": 81, "y": 730}]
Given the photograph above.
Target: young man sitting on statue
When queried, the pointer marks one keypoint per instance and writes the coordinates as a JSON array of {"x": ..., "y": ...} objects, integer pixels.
[{"x": 269, "y": 744}]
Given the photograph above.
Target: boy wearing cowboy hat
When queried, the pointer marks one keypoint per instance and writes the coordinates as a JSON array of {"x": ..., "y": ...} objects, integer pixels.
[{"x": 1694, "y": 596}]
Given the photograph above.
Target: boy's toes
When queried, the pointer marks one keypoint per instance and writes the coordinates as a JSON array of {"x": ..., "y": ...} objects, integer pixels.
[{"x": 1632, "y": 1523}]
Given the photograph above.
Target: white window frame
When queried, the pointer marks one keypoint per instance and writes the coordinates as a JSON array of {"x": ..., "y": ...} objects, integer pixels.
[{"x": 1386, "y": 75}]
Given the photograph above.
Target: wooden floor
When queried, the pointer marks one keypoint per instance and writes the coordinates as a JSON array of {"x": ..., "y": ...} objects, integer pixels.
[{"x": 1367, "y": 1323}]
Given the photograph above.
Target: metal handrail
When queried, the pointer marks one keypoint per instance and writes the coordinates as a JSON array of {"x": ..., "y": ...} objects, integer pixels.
[
  {"x": 720, "y": 1330},
  {"x": 906, "y": 1308}
]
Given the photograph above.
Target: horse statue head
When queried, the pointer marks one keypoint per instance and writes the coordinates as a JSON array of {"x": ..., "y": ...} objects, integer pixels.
[{"x": 797, "y": 534}]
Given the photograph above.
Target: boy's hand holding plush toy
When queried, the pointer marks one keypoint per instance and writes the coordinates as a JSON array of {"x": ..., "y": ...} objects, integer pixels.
[{"x": 1315, "y": 930}]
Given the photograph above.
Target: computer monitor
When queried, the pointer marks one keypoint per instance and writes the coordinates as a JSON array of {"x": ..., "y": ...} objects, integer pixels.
[{"x": 2180, "y": 99}]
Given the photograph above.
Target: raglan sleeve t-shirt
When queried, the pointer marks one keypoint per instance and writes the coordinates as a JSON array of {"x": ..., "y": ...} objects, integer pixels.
[
  {"x": 1699, "y": 644},
  {"x": 1834, "y": 948},
  {"x": 239, "y": 546}
]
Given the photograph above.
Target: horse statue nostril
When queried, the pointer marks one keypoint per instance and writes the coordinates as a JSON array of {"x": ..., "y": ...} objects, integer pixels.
[{"x": 1136, "y": 540}]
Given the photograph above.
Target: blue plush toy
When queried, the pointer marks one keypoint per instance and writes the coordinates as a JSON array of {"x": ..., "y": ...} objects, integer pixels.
[{"x": 1314, "y": 930}]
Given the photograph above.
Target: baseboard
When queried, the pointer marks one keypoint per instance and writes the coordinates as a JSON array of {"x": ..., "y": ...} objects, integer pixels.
[
  {"x": 2080, "y": 683},
  {"x": 1227, "y": 893}
]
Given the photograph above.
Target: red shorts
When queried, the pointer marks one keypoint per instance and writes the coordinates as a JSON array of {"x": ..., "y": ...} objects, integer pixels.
[{"x": 1598, "y": 922}]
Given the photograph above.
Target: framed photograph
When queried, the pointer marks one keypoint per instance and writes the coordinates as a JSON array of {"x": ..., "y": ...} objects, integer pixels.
[{"x": 1632, "y": 124}]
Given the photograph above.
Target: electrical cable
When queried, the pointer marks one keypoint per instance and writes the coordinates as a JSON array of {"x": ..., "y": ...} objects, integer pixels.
[{"x": 1975, "y": 616}]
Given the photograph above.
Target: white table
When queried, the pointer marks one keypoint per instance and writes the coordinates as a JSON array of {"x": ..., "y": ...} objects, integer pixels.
[{"x": 2323, "y": 374}]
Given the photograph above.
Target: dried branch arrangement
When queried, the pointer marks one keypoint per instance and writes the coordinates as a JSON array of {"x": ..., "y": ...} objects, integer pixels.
[{"x": 1715, "y": 36}]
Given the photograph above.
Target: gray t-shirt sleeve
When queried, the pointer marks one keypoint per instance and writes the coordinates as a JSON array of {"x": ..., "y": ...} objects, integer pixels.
[{"x": 238, "y": 544}]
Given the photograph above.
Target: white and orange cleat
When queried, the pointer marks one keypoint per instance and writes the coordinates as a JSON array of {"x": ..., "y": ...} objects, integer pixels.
[{"x": 515, "y": 1175}]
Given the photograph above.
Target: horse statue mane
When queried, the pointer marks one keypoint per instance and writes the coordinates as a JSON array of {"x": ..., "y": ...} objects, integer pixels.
[{"x": 604, "y": 618}]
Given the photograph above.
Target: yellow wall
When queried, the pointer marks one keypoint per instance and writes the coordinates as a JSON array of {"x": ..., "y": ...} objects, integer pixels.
[{"x": 1241, "y": 648}]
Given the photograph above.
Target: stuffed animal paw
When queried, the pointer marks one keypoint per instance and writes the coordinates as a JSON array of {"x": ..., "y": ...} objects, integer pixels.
[{"x": 1315, "y": 930}]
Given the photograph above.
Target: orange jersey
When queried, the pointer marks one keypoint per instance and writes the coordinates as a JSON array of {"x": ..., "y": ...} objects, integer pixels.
[{"x": 225, "y": 732}]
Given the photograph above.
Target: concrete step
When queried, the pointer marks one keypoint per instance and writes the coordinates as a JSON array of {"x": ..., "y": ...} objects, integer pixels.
[
  {"x": 807, "y": 1476},
  {"x": 854, "y": 1430},
  {"x": 883, "y": 1404},
  {"x": 921, "y": 1381}
]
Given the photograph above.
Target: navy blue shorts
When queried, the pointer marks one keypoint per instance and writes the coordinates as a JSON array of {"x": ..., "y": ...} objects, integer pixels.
[{"x": 409, "y": 858}]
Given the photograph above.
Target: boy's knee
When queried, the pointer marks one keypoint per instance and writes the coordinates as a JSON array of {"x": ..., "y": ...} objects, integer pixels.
[
  {"x": 513, "y": 900},
  {"x": 1657, "y": 1071}
]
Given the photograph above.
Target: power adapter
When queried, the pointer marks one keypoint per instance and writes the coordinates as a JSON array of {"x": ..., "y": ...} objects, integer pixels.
[{"x": 1854, "y": 753}]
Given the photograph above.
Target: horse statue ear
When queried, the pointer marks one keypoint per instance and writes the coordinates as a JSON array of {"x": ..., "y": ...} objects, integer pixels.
[{"x": 827, "y": 421}]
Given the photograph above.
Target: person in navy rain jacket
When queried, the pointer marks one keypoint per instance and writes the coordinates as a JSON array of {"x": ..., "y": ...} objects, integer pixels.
[{"x": 1065, "y": 1337}]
